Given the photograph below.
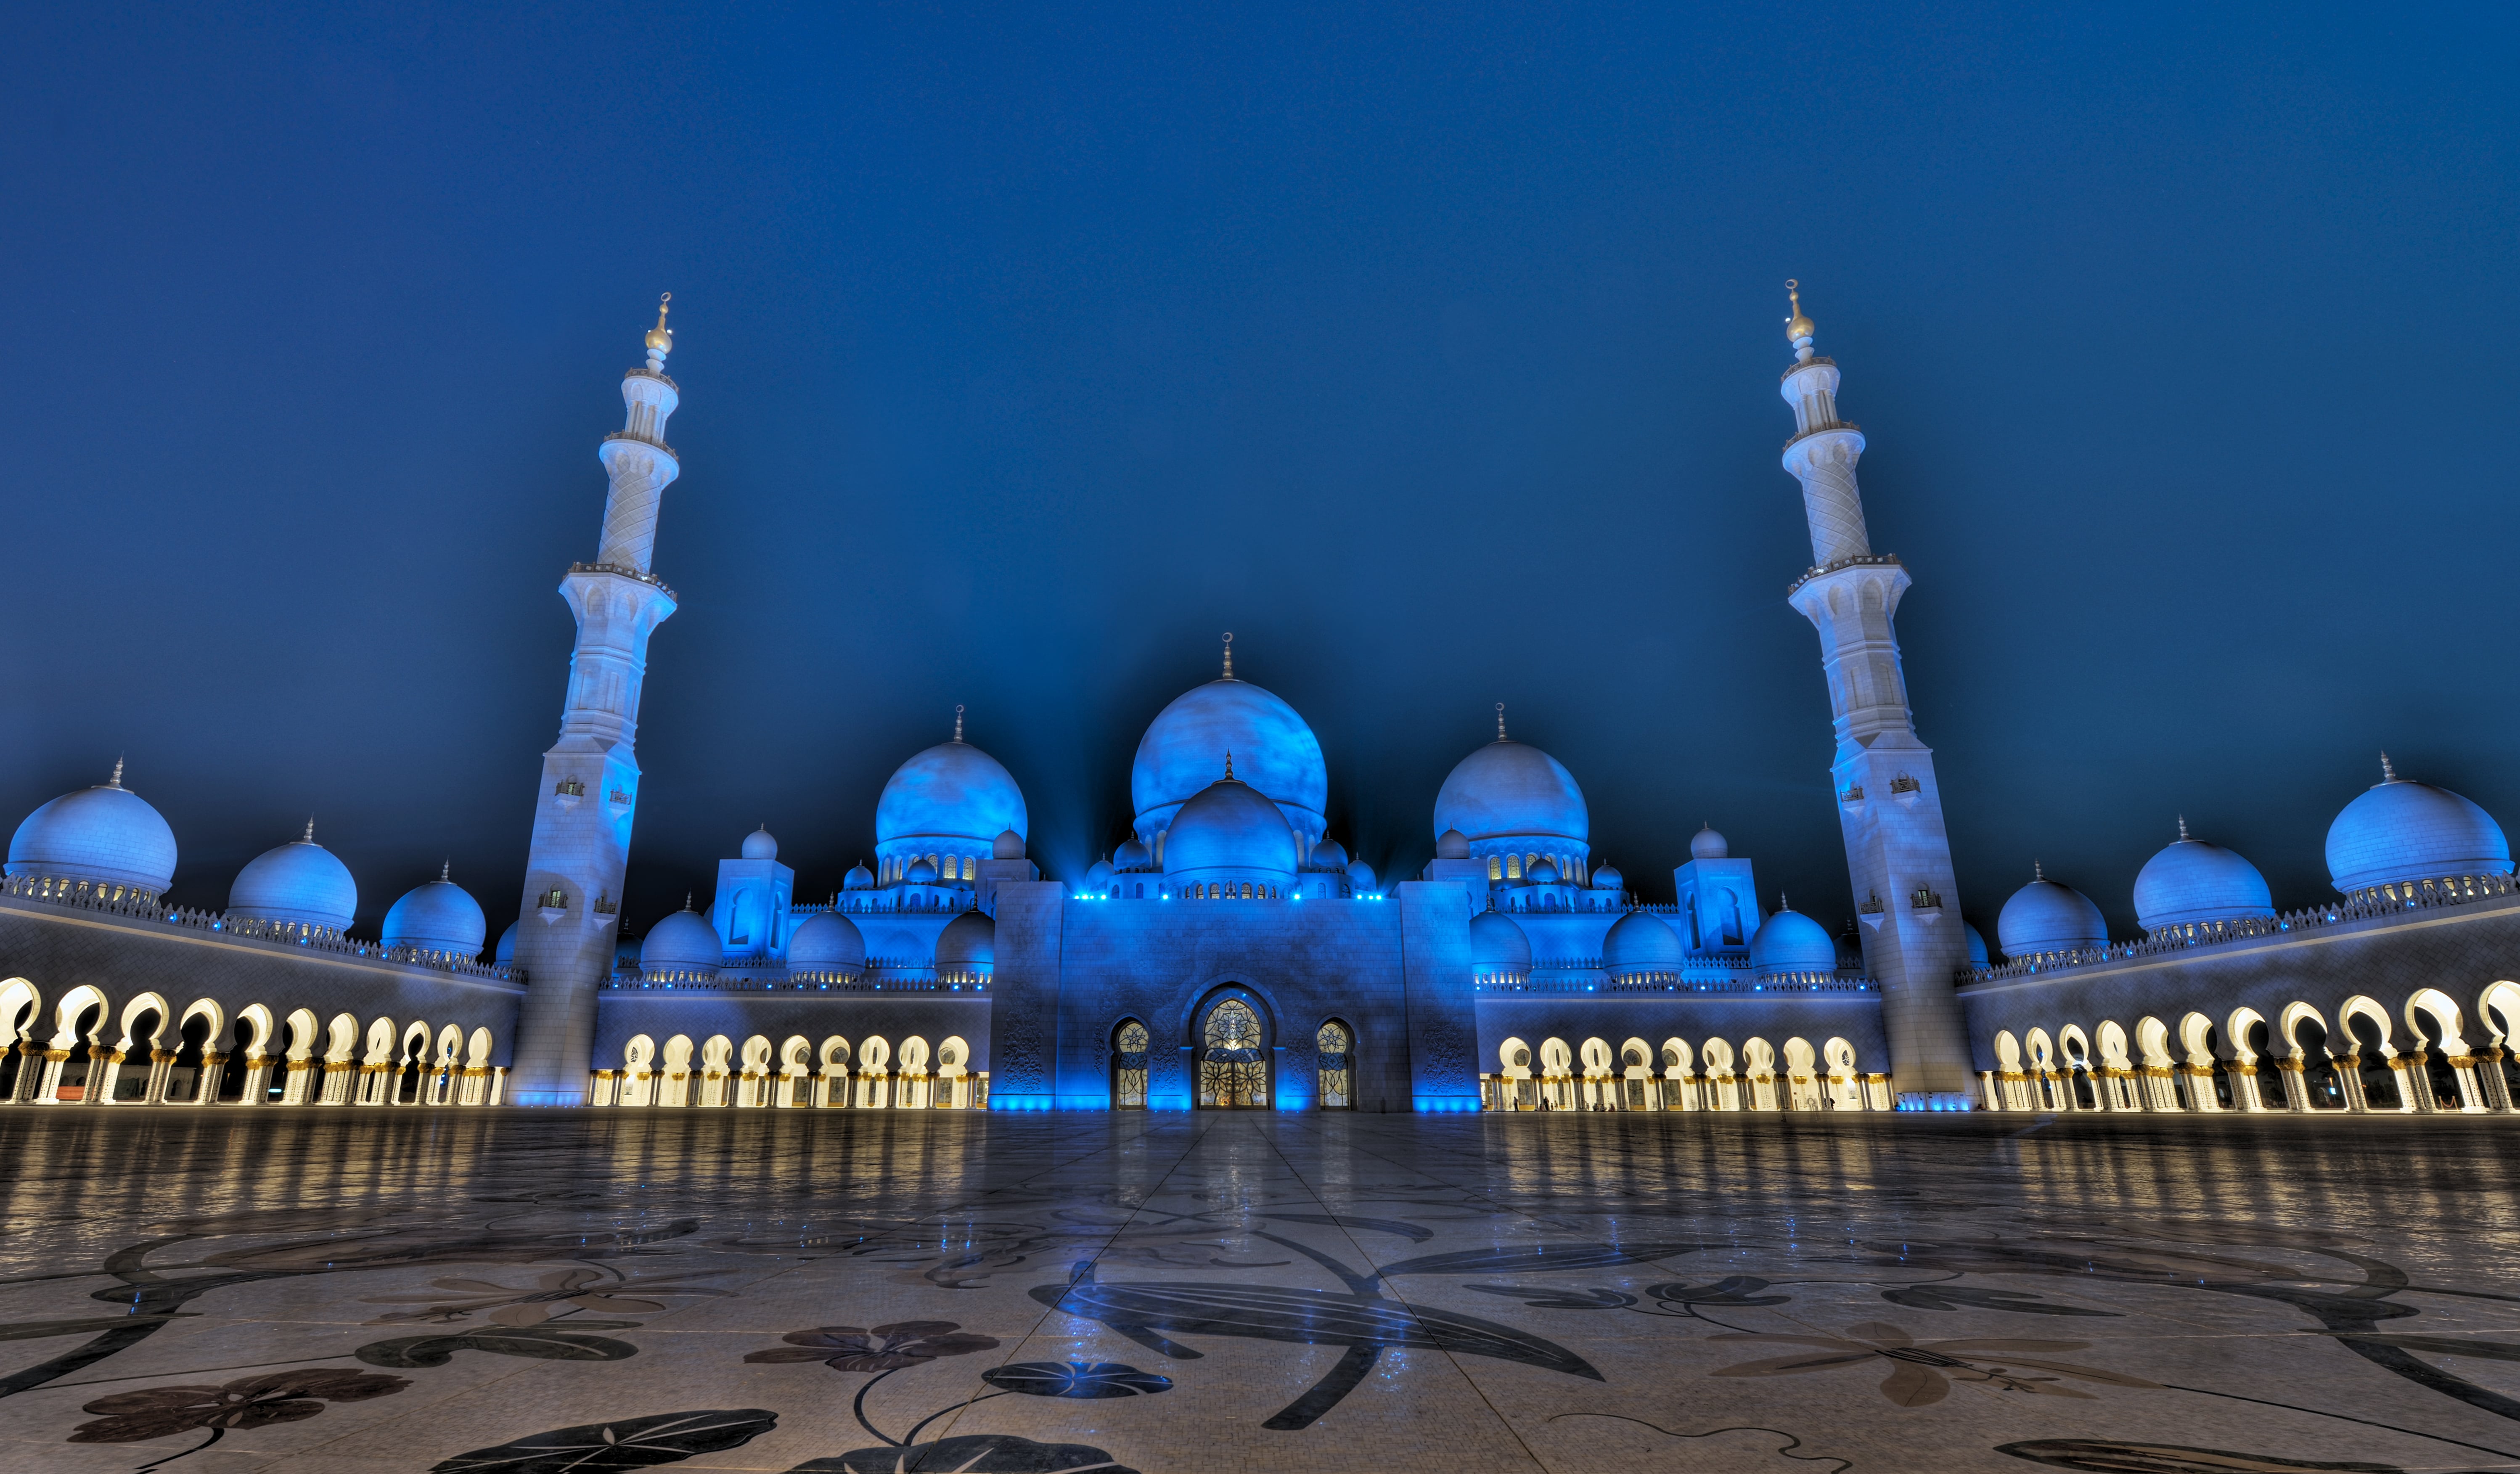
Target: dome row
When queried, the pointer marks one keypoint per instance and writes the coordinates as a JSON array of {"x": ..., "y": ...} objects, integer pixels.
[
  {"x": 685, "y": 944},
  {"x": 109, "y": 841},
  {"x": 2397, "y": 833}
]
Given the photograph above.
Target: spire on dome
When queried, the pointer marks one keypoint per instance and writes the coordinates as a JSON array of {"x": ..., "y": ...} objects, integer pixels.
[
  {"x": 1229, "y": 656},
  {"x": 445, "y": 868},
  {"x": 661, "y": 338},
  {"x": 1781, "y": 903},
  {"x": 1229, "y": 760},
  {"x": 2388, "y": 774},
  {"x": 310, "y": 831},
  {"x": 2182, "y": 829},
  {"x": 115, "y": 781},
  {"x": 958, "y": 731},
  {"x": 1798, "y": 328},
  {"x": 1500, "y": 721},
  {"x": 2036, "y": 873},
  {"x": 687, "y": 900}
]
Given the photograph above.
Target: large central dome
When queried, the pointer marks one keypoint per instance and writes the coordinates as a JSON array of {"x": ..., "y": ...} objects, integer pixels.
[
  {"x": 953, "y": 790},
  {"x": 1273, "y": 751},
  {"x": 1510, "y": 790}
]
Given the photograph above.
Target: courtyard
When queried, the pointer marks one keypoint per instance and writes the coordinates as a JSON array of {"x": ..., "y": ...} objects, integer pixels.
[{"x": 212, "y": 1291}]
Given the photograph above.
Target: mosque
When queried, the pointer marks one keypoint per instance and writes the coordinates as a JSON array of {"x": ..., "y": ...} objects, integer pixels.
[{"x": 1231, "y": 954}]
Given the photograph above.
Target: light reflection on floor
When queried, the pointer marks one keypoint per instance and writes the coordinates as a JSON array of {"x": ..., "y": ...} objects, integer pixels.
[{"x": 362, "y": 1290}]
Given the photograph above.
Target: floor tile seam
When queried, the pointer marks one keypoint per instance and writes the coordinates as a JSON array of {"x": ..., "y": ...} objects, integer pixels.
[
  {"x": 1366, "y": 1257},
  {"x": 954, "y": 1418}
]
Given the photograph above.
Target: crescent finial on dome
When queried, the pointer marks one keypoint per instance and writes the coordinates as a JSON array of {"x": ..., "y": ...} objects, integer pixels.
[
  {"x": 445, "y": 868},
  {"x": 661, "y": 338},
  {"x": 1228, "y": 655},
  {"x": 2036, "y": 874},
  {"x": 115, "y": 781},
  {"x": 958, "y": 722},
  {"x": 2182, "y": 829},
  {"x": 310, "y": 831},
  {"x": 1228, "y": 765},
  {"x": 1500, "y": 721},
  {"x": 2388, "y": 774},
  {"x": 1797, "y": 326}
]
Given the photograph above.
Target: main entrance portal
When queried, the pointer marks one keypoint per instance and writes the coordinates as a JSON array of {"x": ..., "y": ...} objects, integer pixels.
[{"x": 1232, "y": 1056}]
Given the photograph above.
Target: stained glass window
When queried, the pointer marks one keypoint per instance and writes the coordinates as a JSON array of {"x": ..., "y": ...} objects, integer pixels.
[
  {"x": 1336, "y": 1081},
  {"x": 1129, "y": 1068},
  {"x": 1232, "y": 1063}
]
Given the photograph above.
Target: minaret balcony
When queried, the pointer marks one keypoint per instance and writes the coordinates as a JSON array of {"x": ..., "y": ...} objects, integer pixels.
[
  {"x": 619, "y": 571},
  {"x": 658, "y": 445},
  {"x": 1825, "y": 428},
  {"x": 1862, "y": 561}
]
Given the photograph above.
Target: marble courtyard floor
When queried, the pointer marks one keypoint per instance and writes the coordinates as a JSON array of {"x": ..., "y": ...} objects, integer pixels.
[{"x": 215, "y": 1291}]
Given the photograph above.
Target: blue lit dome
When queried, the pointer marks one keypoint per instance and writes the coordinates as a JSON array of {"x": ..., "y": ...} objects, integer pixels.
[
  {"x": 506, "y": 955},
  {"x": 298, "y": 884},
  {"x": 1329, "y": 855},
  {"x": 1098, "y": 877},
  {"x": 106, "y": 835},
  {"x": 683, "y": 944},
  {"x": 1360, "y": 875},
  {"x": 1607, "y": 877},
  {"x": 1706, "y": 844},
  {"x": 1496, "y": 945},
  {"x": 1543, "y": 874},
  {"x": 1273, "y": 751},
  {"x": 760, "y": 844},
  {"x": 1513, "y": 790},
  {"x": 1230, "y": 830},
  {"x": 920, "y": 873},
  {"x": 2397, "y": 831},
  {"x": 952, "y": 793},
  {"x": 1008, "y": 845},
  {"x": 439, "y": 916},
  {"x": 859, "y": 878},
  {"x": 2045, "y": 917},
  {"x": 2195, "y": 881},
  {"x": 1640, "y": 943},
  {"x": 1792, "y": 941},
  {"x": 1132, "y": 856},
  {"x": 1976, "y": 947},
  {"x": 1452, "y": 844},
  {"x": 826, "y": 942},
  {"x": 968, "y": 946}
]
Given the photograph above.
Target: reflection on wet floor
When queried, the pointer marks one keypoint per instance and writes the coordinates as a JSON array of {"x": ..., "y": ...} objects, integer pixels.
[{"x": 208, "y": 1290}]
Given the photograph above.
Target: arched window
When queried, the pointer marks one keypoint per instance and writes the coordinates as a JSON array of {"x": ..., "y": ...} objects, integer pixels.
[
  {"x": 1337, "y": 1084},
  {"x": 1496, "y": 869},
  {"x": 1129, "y": 1068},
  {"x": 1513, "y": 866},
  {"x": 1232, "y": 1056},
  {"x": 970, "y": 868}
]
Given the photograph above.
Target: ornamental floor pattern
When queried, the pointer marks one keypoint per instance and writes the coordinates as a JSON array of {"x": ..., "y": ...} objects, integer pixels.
[{"x": 313, "y": 1291}]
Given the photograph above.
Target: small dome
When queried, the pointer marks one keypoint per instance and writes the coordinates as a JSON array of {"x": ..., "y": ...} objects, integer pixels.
[
  {"x": 506, "y": 955},
  {"x": 1640, "y": 942},
  {"x": 683, "y": 942},
  {"x": 1132, "y": 856},
  {"x": 1098, "y": 875},
  {"x": 2394, "y": 832},
  {"x": 760, "y": 844},
  {"x": 1008, "y": 845},
  {"x": 1607, "y": 877},
  {"x": 1792, "y": 941},
  {"x": 968, "y": 944},
  {"x": 2045, "y": 917},
  {"x": 953, "y": 790},
  {"x": 920, "y": 873},
  {"x": 1543, "y": 874},
  {"x": 1452, "y": 844},
  {"x": 439, "y": 916},
  {"x": 859, "y": 878},
  {"x": 1230, "y": 826},
  {"x": 826, "y": 942},
  {"x": 301, "y": 884},
  {"x": 1976, "y": 947},
  {"x": 1706, "y": 844},
  {"x": 1850, "y": 947},
  {"x": 1360, "y": 875},
  {"x": 1496, "y": 945},
  {"x": 105, "y": 836},
  {"x": 1329, "y": 855},
  {"x": 2194, "y": 881},
  {"x": 1513, "y": 789}
]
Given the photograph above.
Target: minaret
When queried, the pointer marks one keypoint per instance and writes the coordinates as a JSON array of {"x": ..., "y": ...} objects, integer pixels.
[
  {"x": 590, "y": 779},
  {"x": 1889, "y": 803}
]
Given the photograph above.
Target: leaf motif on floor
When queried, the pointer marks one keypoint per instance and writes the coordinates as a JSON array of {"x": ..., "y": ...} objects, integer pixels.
[
  {"x": 636, "y": 1443},
  {"x": 540, "y": 1343}
]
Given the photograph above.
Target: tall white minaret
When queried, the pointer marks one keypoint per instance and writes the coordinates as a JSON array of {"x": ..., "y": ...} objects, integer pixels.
[
  {"x": 590, "y": 781},
  {"x": 1889, "y": 803}
]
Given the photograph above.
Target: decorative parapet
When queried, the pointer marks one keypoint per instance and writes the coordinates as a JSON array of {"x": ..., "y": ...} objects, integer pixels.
[
  {"x": 137, "y": 906},
  {"x": 619, "y": 571},
  {"x": 1866, "y": 560},
  {"x": 2382, "y": 903}
]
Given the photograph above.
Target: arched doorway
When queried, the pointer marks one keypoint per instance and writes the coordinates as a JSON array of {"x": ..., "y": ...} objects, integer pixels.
[
  {"x": 1232, "y": 1050},
  {"x": 1128, "y": 1044},
  {"x": 1334, "y": 1044}
]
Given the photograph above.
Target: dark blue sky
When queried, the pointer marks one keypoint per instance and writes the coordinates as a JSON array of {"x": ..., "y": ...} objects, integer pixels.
[{"x": 1433, "y": 353}]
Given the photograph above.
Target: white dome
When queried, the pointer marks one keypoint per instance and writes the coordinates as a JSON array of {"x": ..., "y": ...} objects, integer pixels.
[
  {"x": 760, "y": 844},
  {"x": 859, "y": 878},
  {"x": 1229, "y": 829},
  {"x": 298, "y": 884},
  {"x": 953, "y": 790},
  {"x": 1640, "y": 943},
  {"x": 1329, "y": 855},
  {"x": 1607, "y": 877},
  {"x": 2194, "y": 881},
  {"x": 1360, "y": 875},
  {"x": 681, "y": 943},
  {"x": 1186, "y": 744},
  {"x": 439, "y": 916},
  {"x": 969, "y": 943},
  {"x": 1008, "y": 845},
  {"x": 2397, "y": 831},
  {"x": 2045, "y": 917},
  {"x": 1792, "y": 941},
  {"x": 1496, "y": 945},
  {"x": 506, "y": 955},
  {"x": 1509, "y": 790},
  {"x": 826, "y": 942},
  {"x": 105, "y": 836},
  {"x": 1706, "y": 844}
]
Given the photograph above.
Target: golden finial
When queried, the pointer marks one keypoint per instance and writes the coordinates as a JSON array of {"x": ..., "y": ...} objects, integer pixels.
[
  {"x": 1228, "y": 765},
  {"x": 661, "y": 338},
  {"x": 1796, "y": 326}
]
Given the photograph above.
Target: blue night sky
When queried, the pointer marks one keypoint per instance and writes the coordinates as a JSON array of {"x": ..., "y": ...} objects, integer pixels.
[{"x": 1434, "y": 353}]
